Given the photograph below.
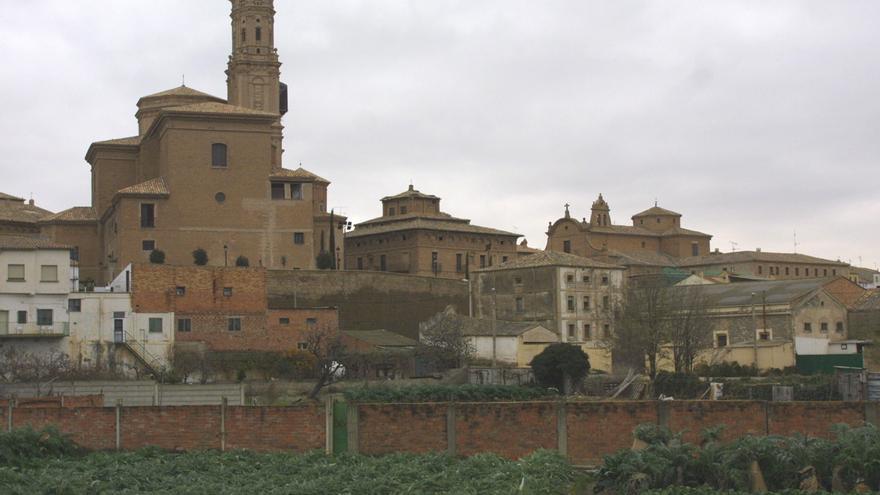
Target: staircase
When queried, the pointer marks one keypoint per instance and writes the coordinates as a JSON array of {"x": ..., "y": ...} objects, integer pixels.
[{"x": 139, "y": 350}]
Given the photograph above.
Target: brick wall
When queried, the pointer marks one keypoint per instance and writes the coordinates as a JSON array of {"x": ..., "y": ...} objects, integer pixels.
[
  {"x": 510, "y": 429},
  {"x": 593, "y": 429},
  {"x": 154, "y": 289},
  {"x": 599, "y": 428},
  {"x": 813, "y": 419},
  {"x": 386, "y": 428}
]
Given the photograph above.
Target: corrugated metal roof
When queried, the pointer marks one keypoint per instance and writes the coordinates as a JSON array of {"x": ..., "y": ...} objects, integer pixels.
[{"x": 771, "y": 292}]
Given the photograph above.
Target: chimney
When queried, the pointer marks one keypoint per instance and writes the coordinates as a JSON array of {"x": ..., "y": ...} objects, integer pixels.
[
  {"x": 31, "y": 202},
  {"x": 717, "y": 251},
  {"x": 757, "y": 250}
]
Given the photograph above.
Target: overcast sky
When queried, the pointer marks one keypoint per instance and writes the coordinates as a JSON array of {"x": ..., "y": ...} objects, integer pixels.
[{"x": 752, "y": 119}]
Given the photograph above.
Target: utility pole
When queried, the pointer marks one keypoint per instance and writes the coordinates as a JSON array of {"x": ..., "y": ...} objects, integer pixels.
[
  {"x": 754, "y": 331},
  {"x": 494, "y": 328}
]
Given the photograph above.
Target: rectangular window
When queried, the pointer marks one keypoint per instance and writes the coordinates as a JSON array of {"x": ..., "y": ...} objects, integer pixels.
[
  {"x": 284, "y": 321},
  {"x": 504, "y": 259},
  {"x": 184, "y": 325},
  {"x": 605, "y": 304},
  {"x": 571, "y": 332},
  {"x": 299, "y": 238},
  {"x": 148, "y": 245},
  {"x": 604, "y": 279},
  {"x": 808, "y": 327},
  {"x": 763, "y": 335},
  {"x": 459, "y": 265},
  {"x": 148, "y": 215},
  {"x": 360, "y": 263},
  {"x": 277, "y": 190},
  {"x": 403, "y": 210},
  {"x": 74, "y": 305},
  {"x": 695, "y": 249},
  {"x": 155, "y": 325},
  {"x": 435, "y": 261},
  {"x": 119, "y": 314},
  {"x": 520, "y": 305},
  {"x": 760, "y": 269},
  {"x": 383, "y": 263},
  {"x": 834, "y": 272},
  {"x": 586, "y": 279},
  {"x": 218, "y": 155},
  {"x": 48, "y": 273},
  {"x": 180, "y": 290},
  {"x": 15, "y": 273},
  {"x": 482, "y": 261},
  {"x": 233, "y": 324},
  {"x": 566, "y": 246},
  {"x": 823, "y": 327},
  {"x": 44, "y": 317},
  {"x": 517, "y": 280},
  {"x": 302, "y": 346},
  {"x": 570, "y": 303},
  {"x": 838, "y": 327},
  {"x": 588, "y": 331},
  {"x": 258, "y": 34},
  {"x": 22, "y": 317},
  {"x": 824, "y": 272},
  {"x": 797, "y": 271},
  {"x": 606, "y": 330},
  {"x": 720, "y": 340},
  {"x": 391, "y": 211},
  {"x": 569, "y": 278},
  {"x": 586, "y": 302},
  {"x": 311, "y": 323},
  {"x": 296, "y": 191},
  {"x": 227, "y": 292}
]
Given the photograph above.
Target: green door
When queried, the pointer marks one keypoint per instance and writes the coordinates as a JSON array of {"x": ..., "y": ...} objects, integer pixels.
[{"x": 340, "y": 427}]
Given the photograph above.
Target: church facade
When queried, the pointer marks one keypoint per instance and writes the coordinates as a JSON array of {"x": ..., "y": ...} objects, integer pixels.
[
  {"x": 655, "y": 238},
  {"x": 206, "y": 173}
]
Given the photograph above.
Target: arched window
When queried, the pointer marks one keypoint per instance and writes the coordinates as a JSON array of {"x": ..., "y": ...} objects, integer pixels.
[
  {"x": 218, "y": 155},
  {"x": 243, "y": 35}
]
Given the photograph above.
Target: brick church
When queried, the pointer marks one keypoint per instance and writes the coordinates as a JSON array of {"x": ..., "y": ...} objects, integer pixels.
[{"x": 204, "y": 172}]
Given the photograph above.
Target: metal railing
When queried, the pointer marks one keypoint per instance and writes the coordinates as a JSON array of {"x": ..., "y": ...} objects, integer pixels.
[
  {"x": 56, "y": 329},
  {"x": 139, "y": 349}
]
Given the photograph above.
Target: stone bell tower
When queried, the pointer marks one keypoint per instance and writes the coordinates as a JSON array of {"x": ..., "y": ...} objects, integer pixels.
[{"x": 253, "y": 73}]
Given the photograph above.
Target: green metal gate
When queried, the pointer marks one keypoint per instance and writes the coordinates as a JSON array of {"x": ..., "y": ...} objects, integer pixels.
[{"x": 340, "y": 426}]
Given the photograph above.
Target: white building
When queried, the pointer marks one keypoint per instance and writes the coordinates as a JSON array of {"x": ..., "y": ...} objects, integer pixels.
[
  {"x": 35, "y": 279},
  {"x": 42, "y": 313}
]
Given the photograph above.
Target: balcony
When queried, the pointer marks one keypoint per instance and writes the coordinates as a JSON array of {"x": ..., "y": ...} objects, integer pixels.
[{"x": 32, "y": 330}]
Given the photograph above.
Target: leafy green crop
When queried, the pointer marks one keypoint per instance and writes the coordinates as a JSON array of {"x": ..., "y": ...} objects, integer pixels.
[
  {"x": 154, "y": 471},
  {"x": 443, "y": 393}
]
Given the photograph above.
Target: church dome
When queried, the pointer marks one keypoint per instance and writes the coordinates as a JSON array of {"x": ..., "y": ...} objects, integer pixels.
[{"x": 149, "y": 106}]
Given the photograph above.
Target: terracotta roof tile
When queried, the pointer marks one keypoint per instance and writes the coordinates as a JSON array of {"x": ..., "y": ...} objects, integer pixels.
[
  {"x": 411, "y": 193},
  {"x": 75, "y": 214},
  {"x": 127, "y": 141},
  {"x": 152, "y": 187},
  {"x": 9, "y": 197},
  {"x": 18, "y": 211},
  {"x": 550, "y": 258},
  {"x": 750, "y": 256},
  {"x": 179, "y": 91},
  {"x": 655, "y": 211},
  {"x": 300, "y": 173},
  {"x": 424, "y": 223},
  {"x": 217, "y": 108},
  {"x": 20, "y": 242}
]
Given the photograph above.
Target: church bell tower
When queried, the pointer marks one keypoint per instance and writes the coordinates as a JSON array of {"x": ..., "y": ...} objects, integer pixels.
[{"x": 253, "y": 73}]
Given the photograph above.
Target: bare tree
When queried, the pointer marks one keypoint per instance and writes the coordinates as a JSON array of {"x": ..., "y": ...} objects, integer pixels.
[
  {"x": 326, "y": 346},
  {"x": 690, "y": 326},
  {"x": 643, "y": 325},
  {"x": 443, "y": 342}
]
